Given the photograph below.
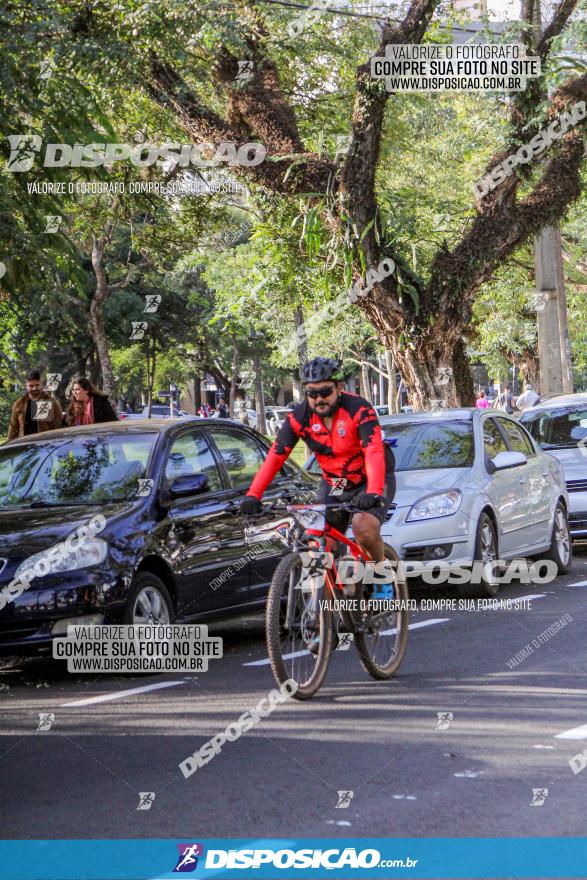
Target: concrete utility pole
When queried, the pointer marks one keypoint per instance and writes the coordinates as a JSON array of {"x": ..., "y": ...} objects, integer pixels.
[{"x": 554, "y": 348}]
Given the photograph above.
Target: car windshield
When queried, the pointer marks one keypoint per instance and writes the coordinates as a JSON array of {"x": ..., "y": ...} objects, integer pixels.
[
  {"x": 80, "y": 470},
  {"x": 558, "y": 428},
  {"x": 419, "y": 445}
]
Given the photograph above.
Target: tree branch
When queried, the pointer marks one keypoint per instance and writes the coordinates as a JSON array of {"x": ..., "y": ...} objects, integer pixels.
[
  {"x": 357, "y": 178},
  {"x": 558, "y": 21},
  {"x": 310, "y": 173},
  {"x": 502, "y": 225}
]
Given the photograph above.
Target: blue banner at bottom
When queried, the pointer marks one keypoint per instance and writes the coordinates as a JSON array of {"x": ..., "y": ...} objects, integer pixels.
[{"x": 286, "y": 859}]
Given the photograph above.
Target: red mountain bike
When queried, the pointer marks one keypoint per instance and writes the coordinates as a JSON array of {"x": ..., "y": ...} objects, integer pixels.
[{"x": 308, "y": 608}]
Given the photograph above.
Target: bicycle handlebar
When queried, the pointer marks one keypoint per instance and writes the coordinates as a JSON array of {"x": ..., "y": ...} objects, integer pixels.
[{"x": 344, "y": 506}]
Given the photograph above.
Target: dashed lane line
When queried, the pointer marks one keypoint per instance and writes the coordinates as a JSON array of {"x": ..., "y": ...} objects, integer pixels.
[
  {"x": 387, "y": 632},
  {"x": 119, "y": 695}
]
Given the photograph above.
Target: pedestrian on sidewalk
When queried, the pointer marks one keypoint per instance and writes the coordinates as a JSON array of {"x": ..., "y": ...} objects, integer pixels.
[
  {"x": 505, "y": 401},
  {"x": 528, "y": 398},
  {"x": 36, "y": 411},
  {"x": 88, "y": 405},
  {"x": 482, "y": 402}
]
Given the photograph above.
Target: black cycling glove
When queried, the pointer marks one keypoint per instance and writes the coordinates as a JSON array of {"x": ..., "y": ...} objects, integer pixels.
[
  {"x": 251, "y": 505},
  {"x": 367, "y": 500}
]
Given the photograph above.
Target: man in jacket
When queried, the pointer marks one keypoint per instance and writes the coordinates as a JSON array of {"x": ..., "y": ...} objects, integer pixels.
[
  {"x": 35, "y": 411},
  {"x": 528, "y": 398}
]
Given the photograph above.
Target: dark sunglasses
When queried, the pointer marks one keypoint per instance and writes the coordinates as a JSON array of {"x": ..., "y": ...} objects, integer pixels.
[{"x": 325, "y": 391}]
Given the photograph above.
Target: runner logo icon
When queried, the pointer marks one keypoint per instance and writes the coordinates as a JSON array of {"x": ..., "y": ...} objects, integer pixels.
[{"x": 188, "y": 857}]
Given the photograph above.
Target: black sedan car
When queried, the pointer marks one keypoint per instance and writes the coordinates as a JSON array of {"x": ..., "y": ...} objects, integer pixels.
[{"x": 172, "y": 544}]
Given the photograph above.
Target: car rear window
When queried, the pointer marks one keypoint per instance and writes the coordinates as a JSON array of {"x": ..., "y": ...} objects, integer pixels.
[
  {"x": 557, "y": 428},
  {"x": 419, "y": 446}
]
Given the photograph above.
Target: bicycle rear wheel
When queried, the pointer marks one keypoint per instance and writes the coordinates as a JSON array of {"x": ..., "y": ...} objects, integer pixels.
[
  {"x": 297, "y": 617},
  {"x": 382, "y": 645}
]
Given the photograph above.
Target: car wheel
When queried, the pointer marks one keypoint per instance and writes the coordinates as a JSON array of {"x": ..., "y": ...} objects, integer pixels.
[
  {"x": 485, "y": 551},
  {"x": 149, "y": 601},
  {"x": 561, "y": 551}
]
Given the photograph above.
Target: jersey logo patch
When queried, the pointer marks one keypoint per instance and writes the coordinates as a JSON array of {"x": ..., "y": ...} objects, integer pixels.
[
  {"x": 338, "y": 486},
  {"x": 341, "y": 429},
  {"x": 316, "y": 427}
]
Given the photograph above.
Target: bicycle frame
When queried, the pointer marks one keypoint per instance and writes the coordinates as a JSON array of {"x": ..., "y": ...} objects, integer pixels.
[{"x": 325, "y": 539}]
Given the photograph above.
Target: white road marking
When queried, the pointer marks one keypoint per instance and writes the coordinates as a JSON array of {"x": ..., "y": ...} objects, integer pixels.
[
  {"x": 574, "y": 733},
  {"x": 578, "y": 584},
  {"x": 385, "y": 632},
  {"x": 543, "y": 747},
  {"x": 118, "y": 695},
  {"x": 422, "y": 623}
]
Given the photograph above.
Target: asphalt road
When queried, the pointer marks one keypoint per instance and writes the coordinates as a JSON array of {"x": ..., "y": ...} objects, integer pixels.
[{"x": 380, "y": 741}]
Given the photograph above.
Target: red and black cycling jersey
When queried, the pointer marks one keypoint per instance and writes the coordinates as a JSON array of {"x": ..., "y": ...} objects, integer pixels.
[{"x": 352, "y": 453}]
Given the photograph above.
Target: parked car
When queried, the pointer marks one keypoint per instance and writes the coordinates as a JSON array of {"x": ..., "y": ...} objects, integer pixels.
[
  {"x": 159, "y": 552},
  {"x": 275, "y": 417},
  {"x": 161, "y": 411},
  {"x": 251, "y": 417},
  {"x": 559, "y": 426},
  {"x": 473, "y": 485}
]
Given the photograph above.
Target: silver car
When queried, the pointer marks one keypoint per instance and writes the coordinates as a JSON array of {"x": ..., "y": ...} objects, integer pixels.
[
  {"x": 275, "y": 417},
  {"x": 559, "y": 426},
  {"x": 474, "y": 485}
]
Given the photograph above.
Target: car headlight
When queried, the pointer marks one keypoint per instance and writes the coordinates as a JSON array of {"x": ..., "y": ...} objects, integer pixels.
[
  {"x": 442, "y": 504},
  {"x": 59, "y": 558}
]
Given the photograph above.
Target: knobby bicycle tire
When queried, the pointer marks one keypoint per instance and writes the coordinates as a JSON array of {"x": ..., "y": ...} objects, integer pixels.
[
  {"x": 388, "y": 670},
  {"x": 278, "y": 592}
]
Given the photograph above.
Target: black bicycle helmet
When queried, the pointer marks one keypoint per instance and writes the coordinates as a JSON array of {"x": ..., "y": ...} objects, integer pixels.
[{"x": 321, "y": 370}]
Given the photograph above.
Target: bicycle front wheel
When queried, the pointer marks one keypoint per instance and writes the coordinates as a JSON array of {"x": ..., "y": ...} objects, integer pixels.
[
  {"x": 382, "y": 643},
  {"x": 298, "y": 624}
]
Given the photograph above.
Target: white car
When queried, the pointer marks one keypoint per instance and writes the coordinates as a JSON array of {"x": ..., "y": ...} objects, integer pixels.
[
  {"x": 474, "y": 485},
  {"x": 559, "y": 426},
  {"x": 275, "y": 417}
]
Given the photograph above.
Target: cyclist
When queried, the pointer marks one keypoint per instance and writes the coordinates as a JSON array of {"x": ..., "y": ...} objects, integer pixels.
[{"x": 343, "y": 431}]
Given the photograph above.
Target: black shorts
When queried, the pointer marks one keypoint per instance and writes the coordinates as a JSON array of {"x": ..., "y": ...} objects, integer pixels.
[{"x": 340, "y": 519}]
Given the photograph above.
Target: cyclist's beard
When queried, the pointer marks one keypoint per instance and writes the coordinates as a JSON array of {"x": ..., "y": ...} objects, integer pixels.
[{"x": 325, "y": 410}]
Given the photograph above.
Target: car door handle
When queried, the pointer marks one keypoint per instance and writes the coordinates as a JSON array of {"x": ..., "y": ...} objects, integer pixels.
[{"x": 233, "y": 508}]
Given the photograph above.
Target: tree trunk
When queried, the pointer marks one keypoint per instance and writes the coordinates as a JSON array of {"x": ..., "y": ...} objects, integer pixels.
[
  {"x": 96, "y": 319},
  {"x": 197, "y": 393},
  {"x": 99, "y": 336},
  {"x": 365, "y": 386},
  {"x": 94, "y": 369},
  {"x": 528, "y": 366},
  {"x": 437, "y": 374},
  {"x": 302, "y": 340},
  {"x": 391, "y": 387},
  {"x": 259, "y": 396},
  {"x": 233, "y": 377},
  {"x": 81, "y": 361},
  {"x": 151, "y": 359}
]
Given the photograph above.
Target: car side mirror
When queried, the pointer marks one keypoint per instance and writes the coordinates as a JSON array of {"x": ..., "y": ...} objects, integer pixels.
[
  {"x": 505, "y": 460},
  {"x": 189, "y": 484}
]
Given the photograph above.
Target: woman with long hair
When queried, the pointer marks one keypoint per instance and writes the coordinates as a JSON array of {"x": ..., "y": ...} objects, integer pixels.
[{"x": 88, "y": 405}]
